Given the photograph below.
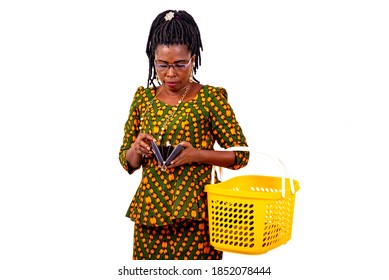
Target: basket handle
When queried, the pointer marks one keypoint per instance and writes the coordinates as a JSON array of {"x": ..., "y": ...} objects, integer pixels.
[{"x": 283, "y": 169}]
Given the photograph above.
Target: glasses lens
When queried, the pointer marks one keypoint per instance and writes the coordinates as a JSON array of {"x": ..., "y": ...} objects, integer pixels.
[
  {"x": 180, "y": 66},
  {"x": 162, "y": 66},
  {"x": 175, "y": 66}
]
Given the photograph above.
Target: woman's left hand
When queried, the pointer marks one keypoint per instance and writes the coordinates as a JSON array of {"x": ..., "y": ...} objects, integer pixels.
[{"x": 188, "y": 154}]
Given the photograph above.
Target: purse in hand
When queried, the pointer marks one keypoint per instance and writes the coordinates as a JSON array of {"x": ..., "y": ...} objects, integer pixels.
[{"x": 165, "y": 153}]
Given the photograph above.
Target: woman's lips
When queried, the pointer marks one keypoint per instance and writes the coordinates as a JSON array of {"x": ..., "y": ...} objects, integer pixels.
[{"x": 171, "y": 84}]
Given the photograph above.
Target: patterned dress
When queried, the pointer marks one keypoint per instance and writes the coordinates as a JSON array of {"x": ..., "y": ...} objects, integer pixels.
[{"x": 169, "y": 207}]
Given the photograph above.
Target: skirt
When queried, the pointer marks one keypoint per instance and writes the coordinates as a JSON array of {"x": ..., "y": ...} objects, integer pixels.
[{"x": 183, "y": 240}]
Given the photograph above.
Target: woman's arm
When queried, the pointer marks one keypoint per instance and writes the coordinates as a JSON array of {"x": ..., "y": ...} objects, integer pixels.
[
  {"x": 190, "y": 154},
  {"x": 129, "y": 158},
  {"x": 141, "y": 147},
  {"x": 225, "y": 127}
]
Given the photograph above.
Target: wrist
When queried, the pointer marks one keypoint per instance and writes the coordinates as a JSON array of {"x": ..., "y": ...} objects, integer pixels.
[
  {"x": 201, "y": 156},
  {"x": 133, "y": 158}
]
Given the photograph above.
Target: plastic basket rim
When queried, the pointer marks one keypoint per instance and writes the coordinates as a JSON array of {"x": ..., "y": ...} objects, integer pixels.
[{"x": 219, "y": 189}]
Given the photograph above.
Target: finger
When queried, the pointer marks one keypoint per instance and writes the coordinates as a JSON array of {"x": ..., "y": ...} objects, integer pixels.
[
  {"x": 186, "y": 144},
  {"x": 140, "y": 149},
  {"x": 142, "y": 144},
  {"x": 175, "y": 162},
  {"x": 144, "y": 147},
  {"x": 146, "y": 152},
  {"x": 146, "y": 137}
]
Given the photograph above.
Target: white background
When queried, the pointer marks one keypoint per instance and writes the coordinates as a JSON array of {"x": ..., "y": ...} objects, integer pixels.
[{"x": 308, "y": 81}]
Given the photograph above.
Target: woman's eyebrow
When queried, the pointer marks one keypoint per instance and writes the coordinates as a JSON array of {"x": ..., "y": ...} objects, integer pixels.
[{"x": 177, "y": 61}]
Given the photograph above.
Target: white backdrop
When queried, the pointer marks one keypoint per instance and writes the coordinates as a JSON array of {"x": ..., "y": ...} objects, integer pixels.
[{"x": 307, "y": 81}]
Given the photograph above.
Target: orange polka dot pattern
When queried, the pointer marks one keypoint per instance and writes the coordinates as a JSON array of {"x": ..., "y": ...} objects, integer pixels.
[
  {"x": 185, "y": 240},
  {"x": 178, "y": 193}
]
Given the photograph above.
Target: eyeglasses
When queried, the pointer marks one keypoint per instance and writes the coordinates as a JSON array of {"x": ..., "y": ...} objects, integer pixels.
[{"x": 175, "y": 66}]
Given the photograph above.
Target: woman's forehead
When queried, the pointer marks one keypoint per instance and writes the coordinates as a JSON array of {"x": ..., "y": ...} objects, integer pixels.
[{"x": 172, "y": 51}]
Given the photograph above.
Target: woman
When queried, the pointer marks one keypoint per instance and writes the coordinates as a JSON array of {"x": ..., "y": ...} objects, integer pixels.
[{"x": 170, "y": 208}]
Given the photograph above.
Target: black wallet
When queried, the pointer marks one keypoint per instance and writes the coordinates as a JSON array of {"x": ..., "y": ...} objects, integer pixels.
[{"x": 165, "y": 153}]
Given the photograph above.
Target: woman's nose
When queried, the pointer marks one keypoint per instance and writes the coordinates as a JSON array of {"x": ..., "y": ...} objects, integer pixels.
[{"x": 170, "y": 72}]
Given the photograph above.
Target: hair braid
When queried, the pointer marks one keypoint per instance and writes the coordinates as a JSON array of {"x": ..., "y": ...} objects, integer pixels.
[{"x": 180, "y": 30}]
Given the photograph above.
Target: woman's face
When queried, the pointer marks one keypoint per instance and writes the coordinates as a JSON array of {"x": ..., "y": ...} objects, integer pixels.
[{"x": 173, "y": 65}]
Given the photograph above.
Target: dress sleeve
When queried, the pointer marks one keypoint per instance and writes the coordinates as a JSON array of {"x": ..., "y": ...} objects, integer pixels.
[
  {"x": 131, "y": 129},
  {"x": 225, "y": 127}
]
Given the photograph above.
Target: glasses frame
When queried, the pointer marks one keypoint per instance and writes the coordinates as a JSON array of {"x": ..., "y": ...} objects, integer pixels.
[{"x": 175, "y": 66}]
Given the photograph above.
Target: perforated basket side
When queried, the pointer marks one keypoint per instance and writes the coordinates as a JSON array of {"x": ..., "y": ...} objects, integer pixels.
[
  {"x": 232, "y": 223},
  {"x": 277, "y": 228},
  {"x": 249, "y": 226}
]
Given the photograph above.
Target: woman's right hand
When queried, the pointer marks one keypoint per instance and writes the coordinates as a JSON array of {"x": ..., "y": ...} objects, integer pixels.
[
  {"x": 140, "y": 148},
  {"x": 142, "y": 145}
]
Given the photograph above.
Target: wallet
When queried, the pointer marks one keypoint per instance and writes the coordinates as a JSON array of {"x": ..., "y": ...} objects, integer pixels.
[{"x": 165, "y": 153}]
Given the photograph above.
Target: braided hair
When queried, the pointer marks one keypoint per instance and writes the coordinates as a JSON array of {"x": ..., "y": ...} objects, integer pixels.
[{"x": 173, "y": 28}]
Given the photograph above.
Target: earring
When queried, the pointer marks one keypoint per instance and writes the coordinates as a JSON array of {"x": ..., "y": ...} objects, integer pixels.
[
  {"x": 191, "y": 78},
  {"x": 158, "y": 80}
]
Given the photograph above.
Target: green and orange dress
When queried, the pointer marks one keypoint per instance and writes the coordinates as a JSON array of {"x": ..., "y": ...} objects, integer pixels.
[{"x": 169, "y": 207}]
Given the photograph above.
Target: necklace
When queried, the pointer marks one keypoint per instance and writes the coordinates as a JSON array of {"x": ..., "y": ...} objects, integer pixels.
[{"x": 168, "y": 118}]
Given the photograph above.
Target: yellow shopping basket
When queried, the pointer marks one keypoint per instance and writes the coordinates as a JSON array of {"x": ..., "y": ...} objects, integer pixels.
[{"x": 251, "y": 214}]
